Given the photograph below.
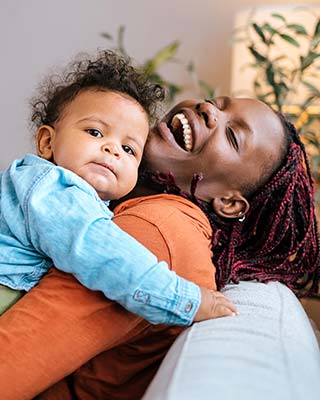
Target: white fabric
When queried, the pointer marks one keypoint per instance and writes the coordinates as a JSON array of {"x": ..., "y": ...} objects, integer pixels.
[{"x": 267, "y": 352}]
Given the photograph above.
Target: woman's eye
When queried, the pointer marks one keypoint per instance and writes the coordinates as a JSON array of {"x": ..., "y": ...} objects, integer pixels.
[
  {"x": 232, "y": 138},
  {"x": 94, "y": 132},
  {"x": 128, "y": 149}
]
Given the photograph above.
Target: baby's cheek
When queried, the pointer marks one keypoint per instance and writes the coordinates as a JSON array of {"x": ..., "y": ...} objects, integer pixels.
[{"x": 129, "y": 176}]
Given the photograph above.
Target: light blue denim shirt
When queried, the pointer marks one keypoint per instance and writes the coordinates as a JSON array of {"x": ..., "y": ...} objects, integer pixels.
[{"x": 49, "y": 215}]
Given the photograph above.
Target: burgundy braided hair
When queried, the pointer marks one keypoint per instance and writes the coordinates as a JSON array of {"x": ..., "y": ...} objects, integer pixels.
[{"x": 278, "y": 240}]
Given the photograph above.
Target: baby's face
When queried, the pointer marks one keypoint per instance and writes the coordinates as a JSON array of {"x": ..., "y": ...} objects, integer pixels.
[{"x": 100, "y": 136}]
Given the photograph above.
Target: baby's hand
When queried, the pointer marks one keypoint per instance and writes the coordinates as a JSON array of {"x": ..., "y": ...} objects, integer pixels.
[{"x": 214, "y": 305}]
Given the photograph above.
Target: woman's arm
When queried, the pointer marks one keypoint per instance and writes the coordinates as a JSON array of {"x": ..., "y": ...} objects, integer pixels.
[{"x": 54, "y": 329}]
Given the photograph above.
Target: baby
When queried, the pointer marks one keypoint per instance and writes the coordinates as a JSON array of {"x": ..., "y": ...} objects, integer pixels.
[{"x": 92, "y": 128}]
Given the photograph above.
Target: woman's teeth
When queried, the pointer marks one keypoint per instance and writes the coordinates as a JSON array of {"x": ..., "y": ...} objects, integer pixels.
[{"x": 180, "y": 120}]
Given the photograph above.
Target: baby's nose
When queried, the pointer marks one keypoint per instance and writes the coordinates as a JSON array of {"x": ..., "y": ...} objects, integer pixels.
[
  {"x": 112, "y": 149},
  {"x": 208, "y": 112}
]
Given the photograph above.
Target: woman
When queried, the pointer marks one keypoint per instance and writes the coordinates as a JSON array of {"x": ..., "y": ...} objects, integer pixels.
[{"x": 254, "y": 177}]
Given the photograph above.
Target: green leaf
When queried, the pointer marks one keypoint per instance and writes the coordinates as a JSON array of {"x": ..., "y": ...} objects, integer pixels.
[
  {"x": 283, "y": 92},
  {"x": 106, "y": 35},
  {"x": 277, "y": 94},
  {"x": 279, "y": 16},
  {"x": 281, "y": 73},
  {"x": 173, "y": 90},
  {"x": 259, "y": 31},
  {"x": 298, "y": 29},
  {"x": 305, "y": 62},
  {"x": 156, "y": 78},
  {"x": 120, "y": 40},
  {"x": 313, "y": 142},
  {"x": 265, "y": 98},
  {"x": 261, "y": 97},
  {"x": 317, "y": 29},
  {"x": 208, "y": 89},
  {"x": 315, "y": 41},
  {"x": 162, "y": 56},
  {"x": 308, "y": 101},
  {"x": 257, "y": 85},
  {"x": 270, "y": 75},
  {"x": 259, "y": 57},
  {"x": 310, "y": 136},
  {"x": 268, "y": 28},
  {"x": 289, "y": 39},
  {"x": 312, "y": 88},
  {"x": 284, "y": 86}
]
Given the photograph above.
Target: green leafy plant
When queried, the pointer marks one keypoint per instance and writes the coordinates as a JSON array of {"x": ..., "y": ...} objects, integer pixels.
[
  {"x": 152, "y": 66},
  {"x": 280, "y": 74}
]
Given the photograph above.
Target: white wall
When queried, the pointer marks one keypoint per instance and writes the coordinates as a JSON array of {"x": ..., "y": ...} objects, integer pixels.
[{"x": 38, "y": 34}]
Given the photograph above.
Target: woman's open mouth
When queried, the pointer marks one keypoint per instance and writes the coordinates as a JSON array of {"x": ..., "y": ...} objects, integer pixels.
[{"x": 181, "y": 130}]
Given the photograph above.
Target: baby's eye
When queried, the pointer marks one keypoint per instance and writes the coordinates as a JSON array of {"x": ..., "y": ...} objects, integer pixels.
[
  {"x": 94, "y": 132},
  {"x": 128, "y": 149}
]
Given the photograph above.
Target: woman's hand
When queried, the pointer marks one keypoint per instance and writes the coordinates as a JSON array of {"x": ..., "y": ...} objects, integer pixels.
[{"x": 214, "y": 305}]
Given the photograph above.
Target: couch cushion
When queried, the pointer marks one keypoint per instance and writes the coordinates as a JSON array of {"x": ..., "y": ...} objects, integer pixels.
[{"x": 267, "y": 352}]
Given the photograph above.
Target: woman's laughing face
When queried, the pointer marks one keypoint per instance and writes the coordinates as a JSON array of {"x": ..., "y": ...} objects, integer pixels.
[{"x": 228, "y": 141}]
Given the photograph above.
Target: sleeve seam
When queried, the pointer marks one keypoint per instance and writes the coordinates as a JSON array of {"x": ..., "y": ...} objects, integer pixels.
[{"x": 25, "y": 208}]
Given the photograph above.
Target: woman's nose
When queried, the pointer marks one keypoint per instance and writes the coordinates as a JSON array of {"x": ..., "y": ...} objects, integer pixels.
[
  {"x": 208, "y": 112},
  {"x": 112, "y": 149}
]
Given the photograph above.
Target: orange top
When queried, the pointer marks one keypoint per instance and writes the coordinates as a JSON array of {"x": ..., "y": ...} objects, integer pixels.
[{"x": 59, "y": 324}]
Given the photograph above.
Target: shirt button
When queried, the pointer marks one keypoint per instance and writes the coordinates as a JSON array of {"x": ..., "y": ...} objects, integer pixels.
[
  {"x": 188, "y": 307},
  {"x": 139, "y": 294},
  {"x": 142, "y": 297}
]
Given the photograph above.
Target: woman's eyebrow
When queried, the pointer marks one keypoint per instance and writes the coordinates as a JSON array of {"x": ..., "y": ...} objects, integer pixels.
[
  {"x": 226, "y": 101},
  {"x": 243, "y": 125},
  {"x": 221, "y": 102}
]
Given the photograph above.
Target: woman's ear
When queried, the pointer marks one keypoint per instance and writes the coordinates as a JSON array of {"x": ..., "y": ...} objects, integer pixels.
[
  {"x": 44, "y": 138},
  {"x": 234, "y": 205}
]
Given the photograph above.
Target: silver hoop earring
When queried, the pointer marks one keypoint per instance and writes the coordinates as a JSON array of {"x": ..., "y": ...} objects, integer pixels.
[{"x": 241, "y": 219}]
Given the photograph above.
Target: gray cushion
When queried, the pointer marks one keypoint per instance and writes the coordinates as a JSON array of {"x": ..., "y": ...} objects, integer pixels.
[{"x": 267, "y": 352}]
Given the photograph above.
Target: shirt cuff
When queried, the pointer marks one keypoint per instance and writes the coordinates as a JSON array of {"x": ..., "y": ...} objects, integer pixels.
[
  {"x": 179, "y": 308},
  {"x": 187, "y": 305}
]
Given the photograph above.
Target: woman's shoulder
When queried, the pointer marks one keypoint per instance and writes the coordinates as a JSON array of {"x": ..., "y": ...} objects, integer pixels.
[
  {"x": 165, "y": 209},
  {"x": 159, "y": 205},
  {"x": 175, "y": 230}
]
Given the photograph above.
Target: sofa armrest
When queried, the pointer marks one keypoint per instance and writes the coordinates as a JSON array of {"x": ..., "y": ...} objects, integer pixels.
[{"x": 268, "y": 351}]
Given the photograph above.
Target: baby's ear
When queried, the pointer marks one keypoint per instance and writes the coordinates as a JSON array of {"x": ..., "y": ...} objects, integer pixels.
[
  {"x": 44, "y": 139},
  {"x": 233, "y": 205}
]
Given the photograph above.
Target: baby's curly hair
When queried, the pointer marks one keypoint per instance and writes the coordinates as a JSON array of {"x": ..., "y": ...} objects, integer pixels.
[{"x": 109, "y": 71}]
